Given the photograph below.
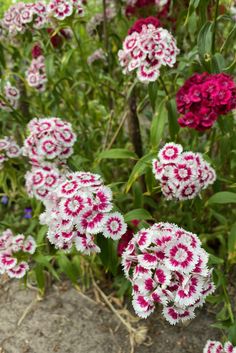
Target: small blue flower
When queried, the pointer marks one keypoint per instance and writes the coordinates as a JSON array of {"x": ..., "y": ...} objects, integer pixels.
[
  {"x": 28, "y": 212},
  {"x": 4, "y": 200}
]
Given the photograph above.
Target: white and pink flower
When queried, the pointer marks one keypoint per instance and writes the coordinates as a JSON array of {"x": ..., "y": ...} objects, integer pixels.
[
  {"x": 49, "y": 139},
  {"x": 217, "y": 347},
  {"x": 182, "y": 174},
  {"x": 78, "y": 208},
  {"x": 147, "y": 48},
  {"x": 8, "y": 149},
  {"x": 10, "y": 245},
  {"x": 167, "y": 265}
]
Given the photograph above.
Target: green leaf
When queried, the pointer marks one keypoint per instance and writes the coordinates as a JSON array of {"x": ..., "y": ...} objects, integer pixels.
[
  {"x": 40, "y": 277},
  {"x": 108, "y": 254},
  {"x": 152, "y": 91},
  {"x": 140, "y": 214},
  {"x": 172, "y": 117},
  {"x": 117, "y": 153},
  {"x": 158, "y": 124},
  {"x": 67, "y": 267},
  {"x": 222, "y": 197},
  {"x": 204, "y": 43},
  {"x": 232, "y": 334},
  {"x": 214, "y": 260},
  {"x": 232, "y": 243},
  {"x": 140, "y": 168},
  {"x": 218, "y": 63}
]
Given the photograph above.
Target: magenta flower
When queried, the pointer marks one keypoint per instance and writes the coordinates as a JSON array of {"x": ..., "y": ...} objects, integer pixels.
[{"x": 204, "y": 97}]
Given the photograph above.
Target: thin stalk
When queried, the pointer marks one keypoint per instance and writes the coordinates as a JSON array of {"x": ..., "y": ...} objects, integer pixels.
[
  {"x": 133, "y": 125},
  {"x": 164, "y": 86},
  {"x": 215, "y": 28}
]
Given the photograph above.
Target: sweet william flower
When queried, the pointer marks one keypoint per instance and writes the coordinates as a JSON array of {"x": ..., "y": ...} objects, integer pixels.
[
  {"x": 167, "y": 265},
  {"x": 182, "y": 174},
  {"x": 11, "y": 249},
  {"x": 217, "y": 347},
  {"x": 204, "y": 97},
  {"x": 78, "y": 209},
  {"x": 146, "y": 48},
  {"x": 50, "y": 139}
]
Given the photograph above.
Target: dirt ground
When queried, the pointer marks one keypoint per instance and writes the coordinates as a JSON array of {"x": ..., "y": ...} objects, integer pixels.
[{"x": 66, "y": 321}]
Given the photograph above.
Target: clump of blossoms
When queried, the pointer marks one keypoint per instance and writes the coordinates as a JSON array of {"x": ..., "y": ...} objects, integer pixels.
[
  {"x": 42, "y": 180},
  {"x": 21, "y": 16},
  {"x": 50, "y": 139},
  {"x": 204, "y": 97},
  {"x": 79, "y": 208},
  {"x": 11, "y": 96},
  {"x": 96, "y": 21},
  {"x": 217, "y": 347},
  {"x": 97, "y": 55},
  {"x": 60, "y": 9},
  {"x": 14, "y": 251},
  {"x": 182, "y": 174},
  {"x": 8, "y": 149},
  {"x": 146, "y": 48},
  {"x": 167, "y": 265},
  {"x": 36, "y": 74},
  {"x": 134, "y": 5}
]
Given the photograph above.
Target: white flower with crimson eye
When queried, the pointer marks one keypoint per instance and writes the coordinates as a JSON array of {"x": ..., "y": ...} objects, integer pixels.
[
  {"x": 114, "y": 226},
  {"x": 50, "y": 139},
  {"x": 41, "y": 181},
  {"x": 167, "y": 265},
  {"x": 147, "y": 48},
  {"x": 182, "y": 174},
  {"x": 8, "y": 149},
  {"x": 11, "y": 245},
  {"x": 80, "y": 207},
  {"x": 217, "y": 347}
]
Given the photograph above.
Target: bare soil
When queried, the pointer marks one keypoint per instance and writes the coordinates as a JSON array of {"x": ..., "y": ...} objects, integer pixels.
[{"x": 66, "y": 321}]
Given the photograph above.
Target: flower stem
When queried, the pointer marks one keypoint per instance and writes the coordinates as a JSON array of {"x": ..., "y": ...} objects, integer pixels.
[{"x": 215, "y": 27}]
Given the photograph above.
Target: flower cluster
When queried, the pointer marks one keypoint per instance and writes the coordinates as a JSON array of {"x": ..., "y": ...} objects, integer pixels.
[
  {"x": 11, "y": 96},
  {"x": 21, "y": 16},
  {"x": 97, "y": 55},
  {"x": 147, "y": 48},
  {"x": 217, "y": 347},
  {"x": 167, "y": 265},
  {"x": 79, "y": 208},
  {"x": 182, "y": 174},
  {"x": 50, "y": 139},
  {"x": 133, "y": 5},
  {"x": 8, "y": 149},
  {"x": 36, "y": 73},
  {"x": 60, "y": 9},
  {"x": 204, "y": 97},
  {"x": 42, "y": 180},
  {"x": 96, "y": 21},
  {"x": 13, "y": 253}
]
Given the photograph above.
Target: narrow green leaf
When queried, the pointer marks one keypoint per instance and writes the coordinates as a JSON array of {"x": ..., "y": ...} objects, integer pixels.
[
  {"x": 140, "y": 168},
  {"x": 158, "y": 124},
  {"x": 108, "y": 254},
  {"x": 222, "y": 197},
  {"x": 140, "y": 214},
  {"x": 67, "y": 267},
  {"x": 117, "y": 153},
  {"x": 172, "y": 117}
]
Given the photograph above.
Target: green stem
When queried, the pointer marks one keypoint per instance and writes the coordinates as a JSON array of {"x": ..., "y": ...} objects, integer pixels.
[
  {"x": 164, "y": 86},
  {"x": 215, "y": 27}
]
